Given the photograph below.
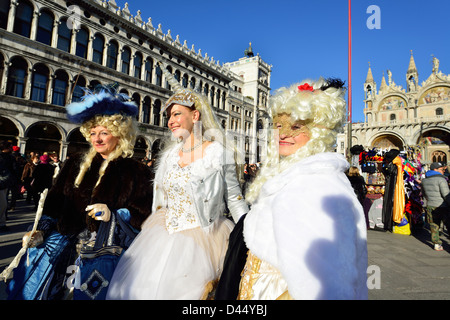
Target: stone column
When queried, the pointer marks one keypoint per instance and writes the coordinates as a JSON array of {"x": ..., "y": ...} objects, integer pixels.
[
  {"x": 54, "y": 42},
  {"x": 73, "y": 41},
  {"x": 34, "y": 24},
  {"x": 22, "y": 142},
  {"x": 105, "y": 53},
  {"x": 119, "y": 59},
  {"x": 5, "y": 77},
  {"x": 63, "y": 152},
  {"x": 90, "y": 49},
  {"x": 49, "y": 92},
  {"x": 12, "y": 15},
  {"x": 27, "y": 89}
]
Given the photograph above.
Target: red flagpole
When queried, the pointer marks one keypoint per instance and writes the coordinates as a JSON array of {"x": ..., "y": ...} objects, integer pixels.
[{"x": 349, "y": 128}]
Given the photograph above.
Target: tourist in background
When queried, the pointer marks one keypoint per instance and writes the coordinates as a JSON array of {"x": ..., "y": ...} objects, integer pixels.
[{"x": 437, "y": 195}]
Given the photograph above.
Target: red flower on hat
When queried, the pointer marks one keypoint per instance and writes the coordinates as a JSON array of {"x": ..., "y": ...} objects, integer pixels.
[{"x": 305, "y": 87}]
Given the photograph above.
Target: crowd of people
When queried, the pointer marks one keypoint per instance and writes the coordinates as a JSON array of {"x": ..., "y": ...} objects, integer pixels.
[
  {"x": 412, "y": 197},
  {"x": 24, "y": 175},
  {"x": 183, "y": 225}
]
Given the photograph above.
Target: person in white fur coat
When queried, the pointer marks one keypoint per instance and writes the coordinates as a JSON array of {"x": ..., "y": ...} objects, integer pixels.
[{"x": 305, "y": 231}]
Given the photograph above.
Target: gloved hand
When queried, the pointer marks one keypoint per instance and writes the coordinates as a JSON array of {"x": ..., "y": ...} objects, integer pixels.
[
  {"x": 99, "y": 211},
  {"x": 36, "y": 238}
]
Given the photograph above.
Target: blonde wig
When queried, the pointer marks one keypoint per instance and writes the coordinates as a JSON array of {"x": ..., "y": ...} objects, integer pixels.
[
  {"x": 120, "y": 126},
  {"x": 322, "y": 107}
]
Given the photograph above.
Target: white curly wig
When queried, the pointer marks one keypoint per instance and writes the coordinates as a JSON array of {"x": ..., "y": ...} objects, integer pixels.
[{"x": 324, "y": 109}]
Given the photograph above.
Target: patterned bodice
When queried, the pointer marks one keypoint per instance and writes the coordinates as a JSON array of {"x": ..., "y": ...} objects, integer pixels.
[{"x": 181, "y": 213}]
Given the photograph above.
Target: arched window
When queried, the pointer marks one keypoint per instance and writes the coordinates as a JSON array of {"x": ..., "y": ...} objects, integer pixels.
[
  {"x": 17, "y": 76},
  {"x": 2, "y": 68},
  {"x": 64, "y": 35},
  {"x": 192, "y": 83},
  {"x": 82, "y": 43},
  {"x": 177, "y": 75},
  {"x": 97, "y": 48},
  {"x": 211, "y": 94},
  {"x": 45, "y": 28},
  {"x": 80, "y": 82},
  {"x": 392, "y": 117},
  {"x": 60, "y": 84},
  {"x": 137, "y": 65},
  {"x": 156, "y": 110},
  {"x": 146, "y": 108},
  {"x": 94, "y": 84},
  {"x": 439, "y": 156},
  {"x": 148, "y": 70},
  {"x": 439, "y": 112},
  {"x": 169, "y": 69},
  {"x": 165, "y": 119},
  {"x": 126, "y": 58},
  {"x": 39, "y": 83},
  {"x": 218, "y": 99},
  {"x": 158, "y": 73},
  {"x": 185, "y": 81},
  {"x": 136, "y": 98},
  {"x": 22, "y": 21},
  {"x": 4, "y": 11},
  {"x": 111, "y": 61}
]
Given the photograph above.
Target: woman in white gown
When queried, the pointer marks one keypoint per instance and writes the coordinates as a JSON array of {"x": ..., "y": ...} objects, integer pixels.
[{"x": 179, "y": 252}]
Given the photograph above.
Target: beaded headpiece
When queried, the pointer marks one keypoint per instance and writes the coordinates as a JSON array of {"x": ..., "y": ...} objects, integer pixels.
[{"x": 182, "y": 96}]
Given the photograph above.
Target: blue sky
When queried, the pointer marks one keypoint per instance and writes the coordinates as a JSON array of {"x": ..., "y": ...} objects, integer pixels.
[{"x": 309, "y": 39}]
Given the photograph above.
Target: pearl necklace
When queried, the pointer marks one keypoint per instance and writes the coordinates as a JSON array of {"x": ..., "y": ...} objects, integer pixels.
[{"x": 195, "y": 146}]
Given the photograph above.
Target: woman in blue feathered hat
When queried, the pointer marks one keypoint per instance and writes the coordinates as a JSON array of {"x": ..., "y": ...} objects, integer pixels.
[{"x": 99, "y": 200}]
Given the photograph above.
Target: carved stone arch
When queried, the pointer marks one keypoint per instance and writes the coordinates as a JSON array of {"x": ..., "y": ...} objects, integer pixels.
[
  {"x": 78, "y": 82},
  {"x": 18, "y": 21},
  {"x": 437, "y": 88},
  {"x": 77, "y": 143},
  {"x": 156, "y": 148},
  {"x": 45, "y": 8},
  {"x": 11, "y": 128},
  {"x": 438, "y": 156},
  {"x": 141, "y": 147},
  {"x": 18, "y": 56},
  {"x": 185, "y": 80},
  {"x": 44, "y": 31},
  {"x": 387, "y": 139},
  {"x": 44, "y": 136},
  {"x": 177, "y": 75},
  {"x": 86, "y": 28},
  {"x": 393, "y": 101},
  {"x": 440, "y": 132},
  {"x": 16, "y": 65}
]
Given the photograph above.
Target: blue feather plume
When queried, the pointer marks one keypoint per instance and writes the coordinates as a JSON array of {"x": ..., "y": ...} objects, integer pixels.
[{"x": 104, "y": 100}]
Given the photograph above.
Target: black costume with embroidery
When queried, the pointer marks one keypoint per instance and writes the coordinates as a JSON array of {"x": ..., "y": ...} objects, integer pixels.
[{"x": 126, "y": 184}]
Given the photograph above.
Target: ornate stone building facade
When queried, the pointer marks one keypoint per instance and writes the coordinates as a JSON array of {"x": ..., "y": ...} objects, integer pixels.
[
  {"x": 417, "y": 116},
  {"x": 49, "y": 50}
]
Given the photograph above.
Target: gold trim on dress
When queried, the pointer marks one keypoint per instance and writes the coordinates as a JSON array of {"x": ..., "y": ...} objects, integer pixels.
[{"x": 248, "y": 277}]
